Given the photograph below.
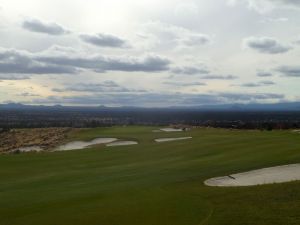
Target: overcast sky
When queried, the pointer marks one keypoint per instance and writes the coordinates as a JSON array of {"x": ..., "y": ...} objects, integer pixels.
[{"x": 149, "y": 52}]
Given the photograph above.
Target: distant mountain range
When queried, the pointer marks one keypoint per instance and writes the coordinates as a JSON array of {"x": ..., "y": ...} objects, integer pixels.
[{"x": 288, "y": 106}]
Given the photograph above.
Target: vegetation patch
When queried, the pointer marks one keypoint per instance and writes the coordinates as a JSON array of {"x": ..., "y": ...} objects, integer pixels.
[{"x": 44, "y": 138}]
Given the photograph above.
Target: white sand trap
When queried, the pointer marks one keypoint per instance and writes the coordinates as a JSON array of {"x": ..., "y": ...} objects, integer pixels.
[
  {"x": 122, "y": 143},
  {"x": 157, "y": 131},
  {"x": 28, "y": 149},
  {"x": 278, "y": 174},
  {"x": 171, "y": 139},
  {"x": 171, "y": 130},
  {"x": 75, "y": 145}
]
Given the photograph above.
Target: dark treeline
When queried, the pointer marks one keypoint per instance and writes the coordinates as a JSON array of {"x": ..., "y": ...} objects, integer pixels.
[{"x": 61, "y": 117}]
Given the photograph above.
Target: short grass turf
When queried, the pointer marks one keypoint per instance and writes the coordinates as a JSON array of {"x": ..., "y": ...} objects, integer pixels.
[{"x": 151, "y": 183}]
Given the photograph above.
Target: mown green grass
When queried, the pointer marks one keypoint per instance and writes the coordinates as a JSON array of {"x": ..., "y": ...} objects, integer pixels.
[{"x": 151, "y": 183}]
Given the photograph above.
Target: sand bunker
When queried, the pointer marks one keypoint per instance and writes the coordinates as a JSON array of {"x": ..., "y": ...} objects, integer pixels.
[
  {"x": 171, "y": 139},
  {"x": 171, "y": 130},
  {"x": 75, "y": 145},
  {"x": 122, "y": 143},
  {"x": 278, "y": 174},
  {"x": 157, "y": 131}
]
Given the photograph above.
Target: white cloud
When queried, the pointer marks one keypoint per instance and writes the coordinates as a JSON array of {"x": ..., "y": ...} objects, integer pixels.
[
  {"x": 175, "y": 36},
  {"x": 187, "y": 9},
  {"x": 265, "y": 6}
]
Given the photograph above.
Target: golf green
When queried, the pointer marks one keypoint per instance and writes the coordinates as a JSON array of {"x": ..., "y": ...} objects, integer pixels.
[{"x": 151, "y": 183}]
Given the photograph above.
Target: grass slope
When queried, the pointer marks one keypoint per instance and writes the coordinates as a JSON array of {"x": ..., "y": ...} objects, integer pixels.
[{"x": 151, "y": 183}]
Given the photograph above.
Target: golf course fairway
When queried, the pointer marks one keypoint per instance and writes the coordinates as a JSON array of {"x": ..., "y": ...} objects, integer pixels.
[{"x": 151, "y": 183}]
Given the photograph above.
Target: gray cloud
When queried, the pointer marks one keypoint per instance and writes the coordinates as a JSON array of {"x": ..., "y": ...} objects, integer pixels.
[
  {"x": 290, "y": 2},
  {"x": 13, "y": 77},
  {"x": 264, "y": 74},
  {"x": 104, "y": 40},
  {"x": 189, "y": 70},
  {"x": 251, "y": 97},
  {"x": 289, "y": 71},
  {"x": 218, "y": 77},
  {"x": 202, "y": 72},
  {"x": 150, "y": 63},
  {"x": 197, "y": 39},
  {"x": 297, "y": 42},
  {"x": 266, "y": 45},
  {"x": 184, "y": 84},
  {"x": 21, "y": 62},
  {"x": 259, "y": 84},
  {"x": 38, "y": 26},
  {"x": 104, "y": 87},
  {"x": 250, "y": 85},
  {"x": 267, "y": 82},
  {"x": 27, "y": 94}
]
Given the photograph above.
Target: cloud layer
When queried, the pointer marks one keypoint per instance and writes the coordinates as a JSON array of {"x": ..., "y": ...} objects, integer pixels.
[
  {"x": 155, "y": 99},
  {"x": 22, "y": 62},
  {"x": 190, "y": 53},
  {"x": 104, "y": 87}
]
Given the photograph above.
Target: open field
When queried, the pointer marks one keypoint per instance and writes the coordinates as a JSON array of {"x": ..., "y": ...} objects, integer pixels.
[{"x": 151, "y": 183}]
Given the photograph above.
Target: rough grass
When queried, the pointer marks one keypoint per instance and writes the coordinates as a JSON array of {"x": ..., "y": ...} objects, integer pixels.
[
  {"x": 151, "y": 183},
  {"x": 44, "y": 137}
]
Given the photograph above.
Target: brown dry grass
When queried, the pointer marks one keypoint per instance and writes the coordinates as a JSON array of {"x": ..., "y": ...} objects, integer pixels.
[{"x": 47, "y": 138}]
